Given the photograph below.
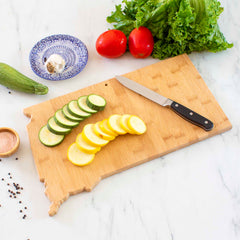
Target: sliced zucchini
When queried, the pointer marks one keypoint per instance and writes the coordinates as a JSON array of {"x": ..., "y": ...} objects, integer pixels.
[
  {"x": 83, "y": 105},
  {"x": 114, "y": 124},
  {"x": 74, "y": 109},
  {"x": 96, "y": 102},
  {"x": 104, "y": 127},
  {"x": 90, "y": 137},
  {"x": 123, "y": 123},
  {"x": 137, "y": 125},
  {"x": 69, "y": 116},
  {"x": 48, "y": 138},
  {"x": 78, "y": 157},
  {"x": 56, "y": 129},
  {"x": 62, "y": 121},
  {"x": 84, "y": 146},
  {"x": 97, "y": 130}
]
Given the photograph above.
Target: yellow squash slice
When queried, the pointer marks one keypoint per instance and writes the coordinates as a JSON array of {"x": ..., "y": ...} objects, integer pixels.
[
  {"x": 136, "y": 124},
  {"x": 123, "y": 123},
  {"x": 114, "y": 124},
  {"x": 90, "y": 137},
  {"x": 85, "y": 146},
  {"x": 104, "y": 127},
  {"x": 97, "y": 130},
  {"x": 95, "y": 136},
  {"x": 78, "y": 157}
]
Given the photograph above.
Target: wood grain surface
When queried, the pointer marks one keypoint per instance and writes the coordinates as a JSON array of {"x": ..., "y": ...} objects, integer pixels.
[{"x": 175, "y": 78}]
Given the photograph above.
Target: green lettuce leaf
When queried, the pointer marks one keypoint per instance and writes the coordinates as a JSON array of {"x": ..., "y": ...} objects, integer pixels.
[{"x": 178, "y": 26}]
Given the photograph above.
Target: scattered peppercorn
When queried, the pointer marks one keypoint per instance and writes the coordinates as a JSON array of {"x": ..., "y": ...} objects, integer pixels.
[{"x": 14, "y": 191}]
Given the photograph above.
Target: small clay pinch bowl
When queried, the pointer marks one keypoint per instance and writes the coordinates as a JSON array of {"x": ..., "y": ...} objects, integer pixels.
[{"x": 9, "y": 141}]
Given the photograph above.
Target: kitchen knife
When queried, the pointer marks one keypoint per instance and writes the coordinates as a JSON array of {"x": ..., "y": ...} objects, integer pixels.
[{"x": 178, "y": 108}]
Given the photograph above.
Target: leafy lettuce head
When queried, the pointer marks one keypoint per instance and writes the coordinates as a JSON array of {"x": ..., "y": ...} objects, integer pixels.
[{"x": 178, "y": 26}]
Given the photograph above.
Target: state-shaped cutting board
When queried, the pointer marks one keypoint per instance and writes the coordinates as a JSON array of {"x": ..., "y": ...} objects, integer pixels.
[{"x": 175, "y": 78}]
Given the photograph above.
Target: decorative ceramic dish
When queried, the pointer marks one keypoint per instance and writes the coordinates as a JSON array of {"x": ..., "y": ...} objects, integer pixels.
[
  {"x": 71, "y": 49},
  {"x": 9, "y": 141}
]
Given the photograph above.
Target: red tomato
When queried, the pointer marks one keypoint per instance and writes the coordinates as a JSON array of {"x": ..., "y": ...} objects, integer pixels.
[
  {"x": 141, "y": 42},
  {"x": 111, "y": 44}
]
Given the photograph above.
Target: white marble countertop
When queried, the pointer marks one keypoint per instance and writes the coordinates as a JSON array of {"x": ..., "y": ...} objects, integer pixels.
[{"x": 192, "y": 193}]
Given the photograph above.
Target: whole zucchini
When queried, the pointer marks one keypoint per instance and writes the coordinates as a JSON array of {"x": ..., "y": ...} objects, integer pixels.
[{"x": 14, "y": 80}]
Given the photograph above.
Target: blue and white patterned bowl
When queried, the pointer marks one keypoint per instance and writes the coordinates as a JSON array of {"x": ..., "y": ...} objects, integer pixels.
[{"x": 72, "y": 50}]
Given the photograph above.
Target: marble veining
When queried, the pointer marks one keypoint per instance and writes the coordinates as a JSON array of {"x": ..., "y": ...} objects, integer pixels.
[{"x": 193, "y": 193}]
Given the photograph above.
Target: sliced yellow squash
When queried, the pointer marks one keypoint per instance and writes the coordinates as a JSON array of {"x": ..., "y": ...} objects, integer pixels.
[
  {"x": 90, "y": 137},
  {"x": 136, "y": 124},
  {"x": 104, "y": 127},
  {"x": 97, "y": 130},
  {"x": 85, "y": 146},
  {"x": 114, "y": 124},
  {"x": 78, "y": 157},
  {"x": 123, "y": 123}
]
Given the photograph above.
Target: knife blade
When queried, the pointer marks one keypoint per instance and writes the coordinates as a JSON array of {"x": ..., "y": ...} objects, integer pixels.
[{"x": 178, "y": 108}]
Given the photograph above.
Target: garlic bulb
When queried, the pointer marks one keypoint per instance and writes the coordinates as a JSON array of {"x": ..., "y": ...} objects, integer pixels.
[{"x": 55, "y": 64}]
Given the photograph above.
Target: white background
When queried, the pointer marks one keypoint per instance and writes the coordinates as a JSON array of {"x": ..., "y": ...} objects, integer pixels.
[{"x": 193, "y": 193}]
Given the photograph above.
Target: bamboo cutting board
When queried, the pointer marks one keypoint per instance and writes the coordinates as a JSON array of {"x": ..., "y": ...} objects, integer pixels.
[{"x": 175, "y": 78}]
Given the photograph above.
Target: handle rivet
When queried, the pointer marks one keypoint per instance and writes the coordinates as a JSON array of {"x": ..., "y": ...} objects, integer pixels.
[
  {"x": 206, "y": 122},
  {"x": 176, "y": 105},
  {"x": 191, "y": 113}
]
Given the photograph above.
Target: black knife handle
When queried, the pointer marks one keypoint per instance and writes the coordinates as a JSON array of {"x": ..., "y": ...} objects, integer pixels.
[{"x": 192, "y": 116}]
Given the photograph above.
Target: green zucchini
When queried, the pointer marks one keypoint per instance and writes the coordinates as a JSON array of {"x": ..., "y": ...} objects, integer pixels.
[
  {"x": 96, "y": 102},
  {"x": 11, "y": 78},
  {"x": 62, "y": 121},
  {"x": 74, "y": 109},
  {"x": 69, "y": 116},
  {"x": 48, "y": 138},
  {"x": 56, "y": 129},
  {"x": 83, "y": 105}
]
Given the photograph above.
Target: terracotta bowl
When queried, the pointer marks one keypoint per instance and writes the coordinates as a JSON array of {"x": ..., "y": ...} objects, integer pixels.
[{"x": 10, "y": 141}]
